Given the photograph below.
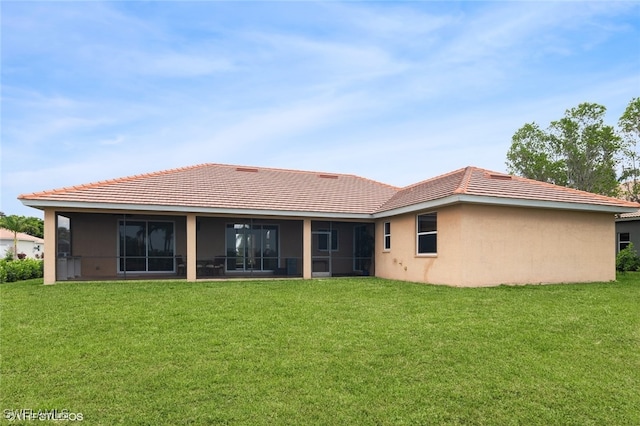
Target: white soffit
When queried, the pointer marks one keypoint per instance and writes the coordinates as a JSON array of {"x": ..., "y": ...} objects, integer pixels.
[{"x": 157, "y": 208}]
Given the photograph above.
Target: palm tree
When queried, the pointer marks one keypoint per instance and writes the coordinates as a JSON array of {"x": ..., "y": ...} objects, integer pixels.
[{"x": 15, "y": 224}]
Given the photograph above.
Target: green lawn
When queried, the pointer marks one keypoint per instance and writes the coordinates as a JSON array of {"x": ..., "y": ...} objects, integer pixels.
[{"x": 335, "y": 351}]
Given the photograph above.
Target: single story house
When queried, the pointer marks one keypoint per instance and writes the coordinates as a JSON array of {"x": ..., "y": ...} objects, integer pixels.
[
  {"x": 32, "y": 247},
  {"x": 469, "y": 227}
]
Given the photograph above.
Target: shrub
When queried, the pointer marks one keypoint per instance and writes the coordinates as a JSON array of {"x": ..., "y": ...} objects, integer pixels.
[
  {"x": 18, "y": 270},
  {"x": 8, "y": 255},
  {"x": 627, "y": 259}
]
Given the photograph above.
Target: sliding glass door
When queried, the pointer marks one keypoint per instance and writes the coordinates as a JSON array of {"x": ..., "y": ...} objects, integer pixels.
[{"x": 252, "y": 247}]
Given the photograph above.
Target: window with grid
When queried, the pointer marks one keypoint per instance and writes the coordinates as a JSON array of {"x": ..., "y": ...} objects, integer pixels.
[
  {"x": 387, "y": 236},
  {"x": 623, "y": 240}
]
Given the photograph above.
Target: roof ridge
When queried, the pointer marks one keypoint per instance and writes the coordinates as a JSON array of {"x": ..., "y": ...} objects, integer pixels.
[
  {"x": 422, "y": 182},
  {"x": 276, "y": 169},
  {"x": 466, "y": 178}
]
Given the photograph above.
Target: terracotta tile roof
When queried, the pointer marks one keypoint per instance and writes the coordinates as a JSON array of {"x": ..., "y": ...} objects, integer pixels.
[
  {"x": 217, "y": 186},
  {"x": 475, "y": 181},
  {"x": 234, "y": 187},
  {"x": 633, "y": 215},
  {"x": 428, "y": 190}
]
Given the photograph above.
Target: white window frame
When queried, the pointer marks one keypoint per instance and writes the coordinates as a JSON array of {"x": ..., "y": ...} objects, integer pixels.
[
  {"x": 386, "y": 231},
  {"x": 333, "y": 237},
  {"x": 419, "y": 234},
  {"x": 626, "y": 242}
]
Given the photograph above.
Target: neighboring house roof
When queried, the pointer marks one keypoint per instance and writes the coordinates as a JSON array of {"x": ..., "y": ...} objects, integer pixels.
[
  {"x": 6, "y": 234},
  {"x": 217, "y": 188},
  {"x": 629, "y": 216}
]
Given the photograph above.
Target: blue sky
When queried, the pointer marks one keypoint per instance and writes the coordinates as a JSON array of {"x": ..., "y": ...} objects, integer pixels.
[{"x": 393, "y": 91}]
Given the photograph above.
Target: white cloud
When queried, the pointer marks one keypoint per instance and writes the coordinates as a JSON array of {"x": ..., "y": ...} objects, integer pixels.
[
  {"x": 127, "y": 62},
  {"x": 118, "y": 140}
]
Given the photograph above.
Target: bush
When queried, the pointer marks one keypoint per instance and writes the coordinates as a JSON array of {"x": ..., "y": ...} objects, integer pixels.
[
  {"x": 18, "y": 270},
  {"x": 8, "y": 256},
  {"x": 627, "y": 259}
]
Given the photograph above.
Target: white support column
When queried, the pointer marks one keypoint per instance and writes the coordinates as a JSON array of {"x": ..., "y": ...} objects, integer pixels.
[
  {"x": 50, "y": 229},
  {"x": 191, "y": 247},
  {"x": 306, "y": 249}
]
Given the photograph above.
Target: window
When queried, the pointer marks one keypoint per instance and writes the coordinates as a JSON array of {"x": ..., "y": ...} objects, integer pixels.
[
  {"x": 323, "y": 240},
  {"x": 64, "y": 236},
  {"x": 387, "y": 235},
  {"x": 145, "y": 246},
  {"x": 427, "y": 226},
  {"x": 623, "y": 240}
]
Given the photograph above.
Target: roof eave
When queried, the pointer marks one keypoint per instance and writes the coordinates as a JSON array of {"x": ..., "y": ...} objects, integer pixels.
[
  {"x": 159, "y": 208},
  {"x": 428, "y": 205},
  {"x": 503, "y": 201}
]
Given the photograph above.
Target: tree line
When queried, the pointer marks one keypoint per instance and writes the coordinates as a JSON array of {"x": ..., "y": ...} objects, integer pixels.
[
  {"x": 27, "y": 224},
  {"x": 580, "y": 151}
]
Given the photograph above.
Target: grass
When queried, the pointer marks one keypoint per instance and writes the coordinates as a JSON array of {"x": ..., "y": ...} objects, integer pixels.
[{"x": 336, "y": 351}]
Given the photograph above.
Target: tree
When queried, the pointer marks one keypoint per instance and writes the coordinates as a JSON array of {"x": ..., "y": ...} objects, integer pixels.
[
  {"x": 33, "y": 226},
  {"x": 629, "y": 125},
  {"x": 578, "y": 151},
  {"x": 15, "y": 224},
  {"x": 533, "y": 155}
]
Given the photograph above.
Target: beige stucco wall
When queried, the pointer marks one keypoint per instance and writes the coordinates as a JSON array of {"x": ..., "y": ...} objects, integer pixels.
[
  {"x": 482, "y": 245},
  {"x": 402, "y": 263},
  {"x": 49, "y": 276}
]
